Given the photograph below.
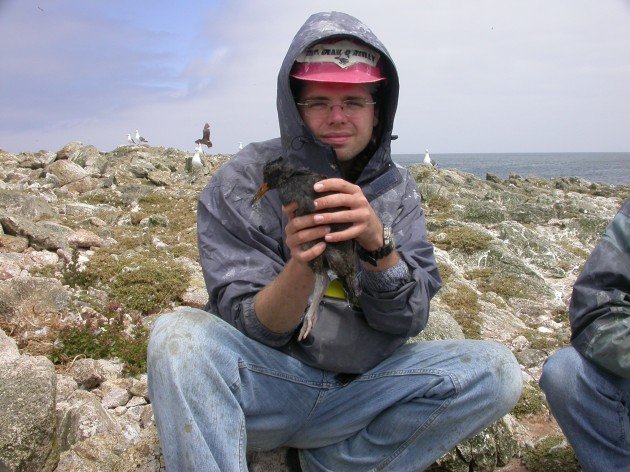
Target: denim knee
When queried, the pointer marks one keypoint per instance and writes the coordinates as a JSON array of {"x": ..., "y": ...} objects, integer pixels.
[
  {"x": 184, "y": 328},
  {"x": 508, "y": 378},
  {"x": 558, "y": 373}
]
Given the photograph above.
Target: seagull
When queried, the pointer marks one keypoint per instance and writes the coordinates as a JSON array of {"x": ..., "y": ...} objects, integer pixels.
[
  {"x": 427, "y": 161},
  {"x": 240, "y": 145},
  {"x": 130, "y": 139},
  {"x": 296, "y": 185},
  {"x": 196, "y": 160},
  {"x": 139, "y": 138},
  {"x": 205, "y": 139}
]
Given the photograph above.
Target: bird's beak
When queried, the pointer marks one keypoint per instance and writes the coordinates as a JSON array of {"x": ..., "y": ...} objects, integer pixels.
[{"x": 260, "y": 192}]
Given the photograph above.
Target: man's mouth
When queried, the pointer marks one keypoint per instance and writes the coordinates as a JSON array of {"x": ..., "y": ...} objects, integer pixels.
[{"x": 336, "y": 138}]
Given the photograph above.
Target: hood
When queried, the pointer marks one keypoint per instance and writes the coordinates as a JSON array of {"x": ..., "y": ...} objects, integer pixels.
[{"x": 299, "y": 145}]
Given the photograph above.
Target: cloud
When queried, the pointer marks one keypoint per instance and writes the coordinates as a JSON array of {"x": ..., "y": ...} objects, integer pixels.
[{"x": 493, "y": 75}]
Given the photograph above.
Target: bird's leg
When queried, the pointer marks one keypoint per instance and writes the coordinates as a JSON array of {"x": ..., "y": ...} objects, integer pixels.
[{"x": 321, "y": 283}]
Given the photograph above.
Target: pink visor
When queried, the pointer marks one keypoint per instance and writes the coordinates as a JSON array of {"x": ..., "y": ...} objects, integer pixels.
[{"x": 341, "y": 61}]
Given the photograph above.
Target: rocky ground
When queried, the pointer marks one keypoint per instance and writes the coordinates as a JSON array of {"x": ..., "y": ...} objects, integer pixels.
[{"x": 94, "y": 246}]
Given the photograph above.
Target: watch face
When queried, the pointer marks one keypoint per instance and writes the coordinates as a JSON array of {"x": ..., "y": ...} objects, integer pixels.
[{"x": 387, "y": 236}]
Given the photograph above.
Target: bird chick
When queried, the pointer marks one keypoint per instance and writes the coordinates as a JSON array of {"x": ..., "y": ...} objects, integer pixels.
[{"x": 296, "y": 185}]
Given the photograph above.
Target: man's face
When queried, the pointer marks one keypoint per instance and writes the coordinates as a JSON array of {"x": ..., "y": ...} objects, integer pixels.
[{"x": 347, "y": 135}]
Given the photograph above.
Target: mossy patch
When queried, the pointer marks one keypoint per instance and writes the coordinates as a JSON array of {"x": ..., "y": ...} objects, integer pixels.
[
  {"x": 483, "y": 212},
  {"x": 489, "y": 279},
  {"x": 552, "y": 453},
  {"x": 140, "y": 282},
  {"x": 532, "y": 402},
  {"x": 464, "y": 239},
  {"x": 464, "y": 304},
  {"x": 547, "y": 342},
  {"x": 104, "y": 338},
  {"x": 446, "y": 272}
]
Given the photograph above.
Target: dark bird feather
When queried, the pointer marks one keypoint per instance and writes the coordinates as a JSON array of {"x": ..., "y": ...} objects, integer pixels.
[
  {"x": 205, "y": 138},
  {"x": 296, "y": 185}
]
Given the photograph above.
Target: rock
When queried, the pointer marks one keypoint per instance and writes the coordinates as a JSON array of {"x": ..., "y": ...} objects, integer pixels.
[
  {"x": 195, "y": 297},
  {"x": 160, "y": 178},
  {"x": 13, "y": 243},
  {"x": 493, "y": 447},
  {"x": 87, "y": 373},
  {"x": 441, "y": 325},
  {"x": 22, "y": 296},
  {"x": 494, "y": 178},
  {"x": 84, "y": 239},
  {"x": 27, "y": 423},
  {"x": 41, "y": 235},
  {"x": 66, "y": 387},
  {"x": 8, "y": 348},
  {"x": 68, "y": 150},
  {"x": 135, "y": 199},
  {"x": 64, "y": 172},
  {"x": 82, "y": 417},
  {"x": 38, "y": 160},
  {"x": 82, "y": 186},
  {"x": 115, "y": 393},
  {"x": 33, "y": 207}
]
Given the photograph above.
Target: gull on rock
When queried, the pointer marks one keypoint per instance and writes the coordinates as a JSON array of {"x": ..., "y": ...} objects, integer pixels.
[
  {"x": 130, "y": 139},
  {"x": 427, "y": 161},
  {"x": 140, "y": 139},
  {"x": 196, "y": 160}
]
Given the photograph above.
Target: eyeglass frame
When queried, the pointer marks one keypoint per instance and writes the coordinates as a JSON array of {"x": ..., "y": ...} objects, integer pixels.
[{"x": 331, "y": 105}]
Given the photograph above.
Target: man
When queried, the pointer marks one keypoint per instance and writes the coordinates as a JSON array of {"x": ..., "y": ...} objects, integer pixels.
[
  {"x": 588, "y": 384},
  {"x": 352, "y": 395}
]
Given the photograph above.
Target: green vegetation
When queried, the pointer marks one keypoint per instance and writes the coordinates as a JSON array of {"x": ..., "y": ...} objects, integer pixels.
[
  {"x": 464, "y": 303},
  {"x": 71, "y": 273},
  {"x": 532, "y": 402},
  {"x": 463, "y": 239},
  {"x": 483, "y": 212},
  {"x": 489, "y": 279},
  {"x": 445, "y": 272},
  {"x": 552, "y": 453},
  {"x": 103, "y": 339},
  {"x": 139, "y": 282}
]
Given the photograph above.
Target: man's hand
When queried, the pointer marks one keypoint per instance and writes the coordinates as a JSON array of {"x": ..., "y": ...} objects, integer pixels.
[
  {"x": 301, "y": 230},
  {"x": 355, "y": 210}
]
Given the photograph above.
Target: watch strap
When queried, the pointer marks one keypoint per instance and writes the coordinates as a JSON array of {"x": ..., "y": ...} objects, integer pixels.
[{"x": 372, "y": 257}]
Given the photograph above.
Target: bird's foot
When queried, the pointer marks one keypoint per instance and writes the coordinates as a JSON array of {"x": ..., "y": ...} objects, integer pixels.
[{"x": 307, "y": 325}]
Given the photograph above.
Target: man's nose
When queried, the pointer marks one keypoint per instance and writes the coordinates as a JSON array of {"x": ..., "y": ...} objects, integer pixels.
[{"x": 336, "y": 113}]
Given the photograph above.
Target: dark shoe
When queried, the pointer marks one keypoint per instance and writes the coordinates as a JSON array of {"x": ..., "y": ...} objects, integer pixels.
[{"x": 293, "y": 460}]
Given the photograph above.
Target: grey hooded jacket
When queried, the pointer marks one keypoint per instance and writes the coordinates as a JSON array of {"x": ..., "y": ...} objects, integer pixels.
[
  {"x": 242, "y": 246},
  {"x": 600, "y": 304}
]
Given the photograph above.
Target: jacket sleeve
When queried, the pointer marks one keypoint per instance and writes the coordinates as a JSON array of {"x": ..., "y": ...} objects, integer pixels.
[
  {"x": 405, "y": 311},
  {"x": 600, "y": 303},
  {"x": 240, "y": 250}
]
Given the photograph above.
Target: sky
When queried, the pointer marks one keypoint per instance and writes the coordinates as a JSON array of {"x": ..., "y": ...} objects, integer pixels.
[{"x": 475, "y": 75}]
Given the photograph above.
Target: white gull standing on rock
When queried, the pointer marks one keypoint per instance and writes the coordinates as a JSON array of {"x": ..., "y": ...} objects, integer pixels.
[
  {"x": 130, "y": 139},
  {"x": 139, "y": 138},
  {"x": 427, "y": 161},
  {"x": 196, "y": 160}
]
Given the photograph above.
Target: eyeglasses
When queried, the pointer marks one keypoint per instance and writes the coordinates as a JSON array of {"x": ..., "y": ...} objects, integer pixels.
[{"x": 321, "y": 108}]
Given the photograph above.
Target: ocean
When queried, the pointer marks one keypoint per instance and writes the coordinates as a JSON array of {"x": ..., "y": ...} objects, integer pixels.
[{"x": 602, "y": 167}]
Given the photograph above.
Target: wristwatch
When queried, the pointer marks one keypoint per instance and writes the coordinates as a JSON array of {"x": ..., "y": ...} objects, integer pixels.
[{"x": 371, "y": 257}]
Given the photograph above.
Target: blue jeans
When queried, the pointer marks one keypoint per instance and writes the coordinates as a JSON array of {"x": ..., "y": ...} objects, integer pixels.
[
  {"x": 592, "y": 408},
  {"x": 217, "y": 393}
]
